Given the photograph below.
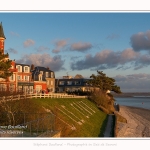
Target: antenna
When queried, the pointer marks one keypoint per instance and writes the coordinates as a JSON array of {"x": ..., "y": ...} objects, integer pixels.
[{"x": 67, "y": 73}]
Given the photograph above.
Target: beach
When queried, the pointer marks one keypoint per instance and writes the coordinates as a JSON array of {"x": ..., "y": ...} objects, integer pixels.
[{"x": 138, "y": 122}]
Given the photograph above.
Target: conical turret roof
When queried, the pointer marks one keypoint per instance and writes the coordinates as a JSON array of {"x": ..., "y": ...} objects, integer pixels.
[{"x": 1, "y": 31}]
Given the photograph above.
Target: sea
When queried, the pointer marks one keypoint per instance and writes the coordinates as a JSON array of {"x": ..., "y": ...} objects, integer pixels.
[{"x": 139, "y": 101}]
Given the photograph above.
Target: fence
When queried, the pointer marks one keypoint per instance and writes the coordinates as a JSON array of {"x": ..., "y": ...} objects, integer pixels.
[
  {"x": 24, "y": 96},
  {"x": 14, "y": 97},
  {"x": 55, "y": 95}
]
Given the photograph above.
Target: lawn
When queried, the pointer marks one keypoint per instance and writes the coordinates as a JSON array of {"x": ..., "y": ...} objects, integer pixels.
[{"x": 82, "y": 114}]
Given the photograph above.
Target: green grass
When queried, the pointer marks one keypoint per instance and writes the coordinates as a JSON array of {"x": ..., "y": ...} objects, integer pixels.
[{"x": 92, "y": 127}]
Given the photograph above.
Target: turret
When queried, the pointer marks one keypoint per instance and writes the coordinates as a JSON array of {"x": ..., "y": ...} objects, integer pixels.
[{"x": 2, "y": 39}]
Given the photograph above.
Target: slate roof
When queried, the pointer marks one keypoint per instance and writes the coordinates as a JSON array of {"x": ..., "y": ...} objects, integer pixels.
[
  {"x": 22, "y": 64},
  {"x": 37, "y": 70},
  {"x": 1, "y": 31}
]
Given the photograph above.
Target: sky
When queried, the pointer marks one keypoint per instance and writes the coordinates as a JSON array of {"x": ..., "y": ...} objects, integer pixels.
[{"x": 70, "y": 43}]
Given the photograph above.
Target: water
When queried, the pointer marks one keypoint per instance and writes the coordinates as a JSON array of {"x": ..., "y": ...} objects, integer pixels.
[{"x": 141, "y": 102}]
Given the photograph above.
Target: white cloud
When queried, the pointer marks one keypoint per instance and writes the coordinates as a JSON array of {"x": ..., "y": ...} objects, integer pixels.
[
  {"x": 28, "y": 43},
  {"x": 141, "y": 41},
  {"x": 107, "y": 59},
  {"x": 54, "y": 63},
  {"x": 80, "y": 46}
]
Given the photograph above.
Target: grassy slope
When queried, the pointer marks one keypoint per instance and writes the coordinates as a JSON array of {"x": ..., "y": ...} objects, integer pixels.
[{"x": 92, "y": 126}]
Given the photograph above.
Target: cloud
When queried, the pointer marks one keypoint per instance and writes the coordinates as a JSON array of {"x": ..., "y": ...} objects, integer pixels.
[
  {"x": 59, "y": 45},
  {"x": 28, "y": 43},
  {"x": 54, "y": 63},
  {"x": 80, "y": 46},
  {"x": 112, "y": 36},
  {"x": 133, "y": 82},
  {"x": 141, "y": 41},
  {"x": 56, "y": 51},
  {"x": 108, "y": 59},
  {"x": 42, "y": 48},
  {"x": 11, "y": 50},
  {"x": 14, "y": 34}
]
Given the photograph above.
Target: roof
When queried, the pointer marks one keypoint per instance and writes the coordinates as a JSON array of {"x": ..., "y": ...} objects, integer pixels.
[
  {"x": 43, "y": 69},
  {"x": 22, "y": 64},
  {"x": 1, "y": 31},
  {"x": 78, "y": 76}
]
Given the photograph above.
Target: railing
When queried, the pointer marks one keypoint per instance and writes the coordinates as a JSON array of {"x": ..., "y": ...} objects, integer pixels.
[
  {"x": 14, "y": 97},
  {"x": 24, "y": 96},
  {"x": 54, "y": 95}
]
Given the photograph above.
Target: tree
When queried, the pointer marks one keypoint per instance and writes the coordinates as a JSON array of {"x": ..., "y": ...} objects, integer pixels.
[
  {"x": 5, "y": 65},
  {"x": 103, "y": 82}
]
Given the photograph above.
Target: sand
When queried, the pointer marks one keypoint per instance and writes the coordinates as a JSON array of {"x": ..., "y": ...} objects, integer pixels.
[{"x": 138, "y": 122}]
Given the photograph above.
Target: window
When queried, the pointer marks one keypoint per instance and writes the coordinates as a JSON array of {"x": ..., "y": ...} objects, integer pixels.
[
  {"x": 26, "y": 69},
  {"x": 25, "y": 89},
  {"x": 40, "y": 78},
  {"x": 77, "y": 82},
  {"x": 41, "y": 72},
  {"x": 30, "y": 89},
  {"x": 69, "y": 82},
  {"x": 3, "y": 87},
  {"x": 47, "y": 82},
  {"x": 26, "y": 78},
  {"x": 46, "y": 74},
  {"x": 19, "y": 68},
  {"x": 19, "y": 78},
  {"x": 19, "y": 88},
  {"x": 52, "y": 74},
  {"x": 38, "y": 88},
  {"x": 51, "y": 82},
  {"x": 11, "y": 77},
  {"x": 11, "y": 87},
  {"x": 61, "y": 82}
]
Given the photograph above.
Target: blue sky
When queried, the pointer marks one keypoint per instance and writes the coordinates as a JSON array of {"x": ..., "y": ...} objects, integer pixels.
[{"x": 81, "y": 43}]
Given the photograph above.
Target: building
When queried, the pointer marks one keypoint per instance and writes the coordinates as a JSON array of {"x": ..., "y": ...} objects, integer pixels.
[
  {"x": 24, "y": 82},
  {"x": 44, "y": 79},
  {"x": 9, "y": 84},
  {"x": 78, "y": 83},
  {"x": 2, "y": 39}
]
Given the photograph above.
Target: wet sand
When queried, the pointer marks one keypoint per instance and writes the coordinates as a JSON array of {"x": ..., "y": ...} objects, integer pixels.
[{"x": 138, "y": 122}]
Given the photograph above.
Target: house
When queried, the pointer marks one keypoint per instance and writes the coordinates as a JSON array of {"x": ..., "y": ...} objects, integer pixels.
[
  {"x": 78, "y": 83},
  {"x": 24, "y": 82},
  {"x": 44, "y": 79}
]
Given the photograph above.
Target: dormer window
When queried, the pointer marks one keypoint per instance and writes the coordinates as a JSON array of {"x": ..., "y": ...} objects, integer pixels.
[
  {"x": 41, "y": 72},
  {"x": 26, "y": 69},
  {"x": 52, "y": 75},
  {"x": 46, "y": 74},
  {"x": 19, "y": 68}
]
